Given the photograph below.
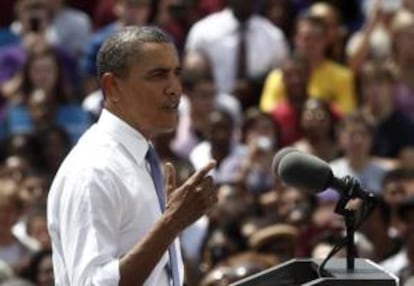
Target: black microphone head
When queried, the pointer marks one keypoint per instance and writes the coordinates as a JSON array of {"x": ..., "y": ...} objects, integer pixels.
[
  {"x": 279, "y": 155},
  {"x": 305, "y": 171}
]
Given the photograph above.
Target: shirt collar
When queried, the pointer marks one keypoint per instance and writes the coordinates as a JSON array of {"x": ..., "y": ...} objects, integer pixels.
[{"x": 133, "y": 141}]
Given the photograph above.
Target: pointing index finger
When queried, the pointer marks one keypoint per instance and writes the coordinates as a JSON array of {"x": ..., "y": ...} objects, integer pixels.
[{"x": 200, "y": 174}]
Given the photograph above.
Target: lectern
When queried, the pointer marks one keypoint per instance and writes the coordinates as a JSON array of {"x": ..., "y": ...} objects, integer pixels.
[{"x": 304, "y": 272}]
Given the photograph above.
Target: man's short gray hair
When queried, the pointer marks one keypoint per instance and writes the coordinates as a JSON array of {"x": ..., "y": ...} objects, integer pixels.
[{"x": 122, "y": 48}]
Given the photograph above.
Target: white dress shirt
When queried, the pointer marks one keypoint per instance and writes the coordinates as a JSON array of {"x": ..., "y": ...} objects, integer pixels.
[
  {"x": 101, "y": 203},
  {"x": 217, "y": 36}
]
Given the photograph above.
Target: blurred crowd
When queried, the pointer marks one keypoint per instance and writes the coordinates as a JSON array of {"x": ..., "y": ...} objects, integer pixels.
[{"x": 332, "y": 78}]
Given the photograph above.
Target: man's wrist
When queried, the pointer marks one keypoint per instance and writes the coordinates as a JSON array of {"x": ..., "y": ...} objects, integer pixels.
[{"x": 170, "y": 225}]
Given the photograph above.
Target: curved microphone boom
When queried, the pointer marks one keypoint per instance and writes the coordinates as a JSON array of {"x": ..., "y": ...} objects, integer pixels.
[{"x": 309, "y": 173}]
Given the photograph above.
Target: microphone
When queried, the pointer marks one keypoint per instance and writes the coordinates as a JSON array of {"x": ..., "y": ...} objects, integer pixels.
[
  {"x": 279, "y": 155},
  {"x": 308, "y": 172}
]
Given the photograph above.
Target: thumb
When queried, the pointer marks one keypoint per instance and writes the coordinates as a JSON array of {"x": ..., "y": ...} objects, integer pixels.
[{"x": 170, "y": 180}]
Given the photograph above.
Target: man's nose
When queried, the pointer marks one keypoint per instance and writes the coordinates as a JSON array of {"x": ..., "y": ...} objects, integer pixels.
[{"x": 174, "y": 87}]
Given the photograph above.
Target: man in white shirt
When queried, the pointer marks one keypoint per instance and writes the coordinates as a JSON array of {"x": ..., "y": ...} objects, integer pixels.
[
  {"x": 219, "y": 36},
  {"x": 106, "y": 216}
]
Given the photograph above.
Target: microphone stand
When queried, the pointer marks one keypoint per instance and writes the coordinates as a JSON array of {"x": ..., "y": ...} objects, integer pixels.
[
  {"x": 350, "y": 240},
  {"x": 349, "y": 217},
  {"x": 349, "y": 192}
]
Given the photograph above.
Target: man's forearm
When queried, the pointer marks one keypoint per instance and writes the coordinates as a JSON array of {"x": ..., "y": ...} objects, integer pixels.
[{"x": 138, "y": 263}]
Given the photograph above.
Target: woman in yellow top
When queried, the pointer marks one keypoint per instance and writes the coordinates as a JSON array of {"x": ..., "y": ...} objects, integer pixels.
[{"x": 329, "y": 81}]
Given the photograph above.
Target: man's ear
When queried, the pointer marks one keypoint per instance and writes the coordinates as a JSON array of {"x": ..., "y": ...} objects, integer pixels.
[{"x": 110, "y": 87}]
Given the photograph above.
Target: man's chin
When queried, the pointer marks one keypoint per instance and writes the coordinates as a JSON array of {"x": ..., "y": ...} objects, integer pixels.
[
  {"x": 167, "y": 125},
  {"x": 166, "y": 129}
]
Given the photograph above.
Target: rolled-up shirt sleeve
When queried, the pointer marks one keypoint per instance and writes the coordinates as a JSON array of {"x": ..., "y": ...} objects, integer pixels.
[{"x": 90, "y": 219}]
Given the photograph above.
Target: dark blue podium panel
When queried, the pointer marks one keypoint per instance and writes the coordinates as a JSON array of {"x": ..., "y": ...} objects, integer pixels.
[{"x": 303, "y": 272}]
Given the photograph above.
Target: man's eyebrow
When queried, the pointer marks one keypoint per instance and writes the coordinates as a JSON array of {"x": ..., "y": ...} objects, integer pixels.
[
  {"x": 161, "y": 70},
  {"x": 158, "y": 70}
]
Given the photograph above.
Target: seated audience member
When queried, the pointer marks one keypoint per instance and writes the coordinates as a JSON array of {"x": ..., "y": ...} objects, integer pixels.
[
  {"x": 40, "y": 269},
  {"x": 278, "y": 240},
  {"x": 200, "y": 99},
  {"x": 33, "y": 17},
  {"x": 127, "y": 12},
  {"x": 242, "y": 48},
  {"x": 30, "y": 229},
  {"x": 34, "y": 188},
  {"x": 282, "y": 13},
  {"x": 328, "y": 80},
  {"x": 393, "y": 130},
  {"x": 394, "y": 192},
  {"x": 193, "y": 122},
  {"x": 33, "y": 29},
  {"x": 399, "y": 261},
  {"x": 176, "y": 18},
  {"x": 287, "y": 113},
  {"x": 11, "y": 250},
  {"x": 268, "y": 202},
  {"x": 197, "y": 63},
  {"x": 295, "y": 207},
  {"x": 298, "y": 208},
  {"x": 337, "y": 33},
  {"x": 403, "y": 59},
  {"x": 73, "y": 27},
  {"x": 373, "y": 41},
  {"x": 220, "y": 145},
  {"x": 16, "y": 168},
  {"x": 219, "y": 245},
  {"x": 55, "y": 145},
  {"x": 37, "y": 229},
  {"x": 44, "y": 93},
  {"x": 260, "y": 139},
  {"x": 233, "y": 203},
  {"x": 318, "y": 123},
  {"x": 24, "y": 146},
  {"x": 355, "y": 137},
  {"x": 379, "y": 240},
  {"x": 218, "y": 235}
]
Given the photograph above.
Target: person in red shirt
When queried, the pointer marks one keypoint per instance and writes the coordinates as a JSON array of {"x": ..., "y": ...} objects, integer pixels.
[{"x": 286, "y": 114}]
